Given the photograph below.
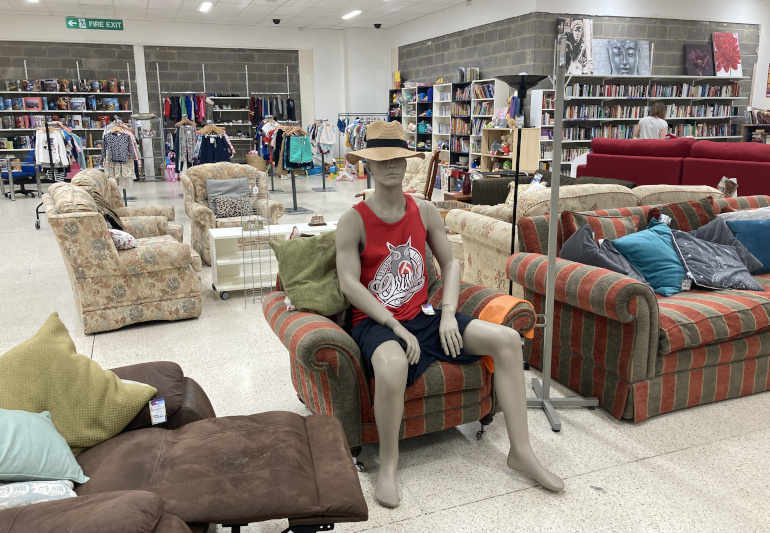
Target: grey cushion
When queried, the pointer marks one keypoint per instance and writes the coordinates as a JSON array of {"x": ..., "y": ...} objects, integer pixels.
[
  {"x": 582, "y": 180},
  {"x": 717, "y": 231},
  {"x": 712, "y": 265},
  {"x": 747, "y": 214},
  {"x": 582, "y": 248},
  {"x": 215, "y": 188}
]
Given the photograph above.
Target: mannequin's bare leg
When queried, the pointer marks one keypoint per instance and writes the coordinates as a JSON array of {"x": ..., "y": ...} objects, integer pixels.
[
  {"x": 504, "y": 345},
  {"x": 390, "y": 370}
]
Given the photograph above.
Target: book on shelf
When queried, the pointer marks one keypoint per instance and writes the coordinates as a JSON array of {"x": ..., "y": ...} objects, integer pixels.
[
  {"x": 757, "y": 116},
  {"x": 484, "y": 90},
  {"x": 549, "y": 101},
  {"x": 78, "y": 103}
]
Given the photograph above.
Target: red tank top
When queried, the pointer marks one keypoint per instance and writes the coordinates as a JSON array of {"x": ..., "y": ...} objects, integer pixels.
[{"x": 393, "y": 262}]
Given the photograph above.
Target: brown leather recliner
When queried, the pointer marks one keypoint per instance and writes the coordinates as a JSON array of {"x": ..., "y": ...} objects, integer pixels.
[{"x": 196, "y": 469}]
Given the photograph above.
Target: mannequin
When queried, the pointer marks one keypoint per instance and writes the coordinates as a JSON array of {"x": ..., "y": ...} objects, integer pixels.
[{"x": 391, "y": 360}]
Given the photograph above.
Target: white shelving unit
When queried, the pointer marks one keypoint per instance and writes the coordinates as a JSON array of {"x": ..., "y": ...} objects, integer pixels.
[
  {"x": 409, "y": 115},
  {"x": 611, "y": 106},
  {"x": 442, "y": 120},
  {"x": 227, "y": 250}
]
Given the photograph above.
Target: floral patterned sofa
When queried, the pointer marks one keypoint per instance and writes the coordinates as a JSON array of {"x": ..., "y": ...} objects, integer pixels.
[
  {"x": 486, "y": 230},
  {"x": 157, "y": 280},
  {"x": 640, "y": 353},
  {"x": 92, "y": 179},
  {"x": 196, "y": 202}
]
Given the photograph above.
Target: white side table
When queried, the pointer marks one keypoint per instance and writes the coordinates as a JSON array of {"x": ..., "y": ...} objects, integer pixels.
[{"x": 227, "y": 255}]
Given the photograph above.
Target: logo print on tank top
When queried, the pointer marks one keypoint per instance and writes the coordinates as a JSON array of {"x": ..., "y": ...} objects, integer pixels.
[{"x": 400, "y": 275}]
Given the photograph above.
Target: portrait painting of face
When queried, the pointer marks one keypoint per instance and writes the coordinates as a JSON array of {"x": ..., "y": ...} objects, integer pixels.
[{"x": 621, "y": 57}]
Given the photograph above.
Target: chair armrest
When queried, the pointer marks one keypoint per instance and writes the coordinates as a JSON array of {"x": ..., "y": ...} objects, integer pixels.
[
  {"x": 473, "y": 299},
  {"x": 320, "y": 346},
  {"x": 195, "y": 406},
  {"x": 145, "y": 226},
  {"x": 598, "y": 290},
  {"x": 119, "y": 512},
  {"x": 271, "y": 210},
  {"x": 165, "y": 376},
  {"x": 202, "y": 215},
  {"x": 154, "y": 256},
  {"x": 147, "y": 211},
  {"x": 499, "y": 212}
]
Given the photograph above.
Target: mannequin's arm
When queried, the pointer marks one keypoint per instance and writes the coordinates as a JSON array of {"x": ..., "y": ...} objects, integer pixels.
[
  {"x": 349, "y": 272},
  {"x": 451, "y": 340}
]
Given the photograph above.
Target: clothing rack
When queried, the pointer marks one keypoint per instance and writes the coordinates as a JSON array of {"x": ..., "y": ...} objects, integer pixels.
[
  {"x": 323, "y": 187},
  {"x": 357, "y": 115},
  {"x": 51, "y": 167}
]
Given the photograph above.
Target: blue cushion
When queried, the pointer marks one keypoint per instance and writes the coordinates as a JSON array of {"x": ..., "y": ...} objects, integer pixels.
[
  {"x": 754, "y": 235},
  {"x": 32, "y": 450},
  {"x": 653, "y": 254}
]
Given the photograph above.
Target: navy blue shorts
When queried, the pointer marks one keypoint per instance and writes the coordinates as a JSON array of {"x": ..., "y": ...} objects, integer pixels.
[{"x": 369, "y": 335}]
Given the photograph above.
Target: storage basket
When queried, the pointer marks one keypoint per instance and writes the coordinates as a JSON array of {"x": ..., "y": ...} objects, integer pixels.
[{"x": 256, "y": 161}]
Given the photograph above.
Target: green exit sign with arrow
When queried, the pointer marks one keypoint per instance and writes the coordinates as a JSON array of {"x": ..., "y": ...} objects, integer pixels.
[{"x": 76, "y": 23}]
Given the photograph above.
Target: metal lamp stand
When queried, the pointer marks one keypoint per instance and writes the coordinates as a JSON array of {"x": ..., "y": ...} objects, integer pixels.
[{"x": 543, "y": 391}]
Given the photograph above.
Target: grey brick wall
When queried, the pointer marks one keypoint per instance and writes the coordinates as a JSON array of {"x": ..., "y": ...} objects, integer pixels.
[
  {"x": 526, "y": 43},
  {"x": 58, "y": 60},
  {"x": 180, "y": 70}
]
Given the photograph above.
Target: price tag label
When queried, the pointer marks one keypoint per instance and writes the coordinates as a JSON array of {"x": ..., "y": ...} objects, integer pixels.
[{"x": 158, "y": 411}]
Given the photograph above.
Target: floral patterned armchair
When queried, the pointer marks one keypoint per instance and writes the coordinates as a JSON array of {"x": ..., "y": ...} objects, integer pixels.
[
  {"x": 157, "y": 280},
  {"x": 93, "y": 179},
  {"x": 196, "y": 202}
]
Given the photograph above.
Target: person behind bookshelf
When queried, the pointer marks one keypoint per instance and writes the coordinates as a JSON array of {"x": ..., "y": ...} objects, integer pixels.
[{"x": 653, "y": 126}]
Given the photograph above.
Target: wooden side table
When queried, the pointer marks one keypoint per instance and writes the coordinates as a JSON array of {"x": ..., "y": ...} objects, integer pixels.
[{"x": 457, "y": 196}]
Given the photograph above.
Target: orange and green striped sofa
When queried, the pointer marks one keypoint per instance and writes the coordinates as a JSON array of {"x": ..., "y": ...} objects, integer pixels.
[
  {"x": 330, "y": 377},
  {"x": 642, "y": 354}
]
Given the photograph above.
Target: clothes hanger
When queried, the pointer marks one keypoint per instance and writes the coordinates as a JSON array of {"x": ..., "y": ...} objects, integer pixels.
[{"x": 184, "y": 121}]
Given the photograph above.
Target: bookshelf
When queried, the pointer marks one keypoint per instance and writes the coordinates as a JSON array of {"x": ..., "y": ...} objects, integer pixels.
[
  {"x": 408, "y": 102},
  {"x": 86, "y": 113},
  {"x": 442, "y": 119},
  {"x": 394, "y": 107},
  {"x": 460, "y": 124},
  {"x": 487, "y": 98},
  {"x": 611, "y": 106},
  {"x": 424, "y": 105},
  {"x": 529, "y": 149}
]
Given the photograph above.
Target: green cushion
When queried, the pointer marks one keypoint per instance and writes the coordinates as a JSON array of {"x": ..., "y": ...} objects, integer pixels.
[
  {"x": 308, "y": 270},
  {"x": 88, "y": 405},
  {"x": 32, "y": 450}
]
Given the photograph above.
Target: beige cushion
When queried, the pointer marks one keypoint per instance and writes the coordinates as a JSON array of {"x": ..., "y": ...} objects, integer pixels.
[
  {"x": 522, "y": 189},
  {"x": 588, "y": 197},
  {"x": 68, "y": 198},
  {"x": 417, "y": 172},
  {"x": 673, "y": 194},
  {"x": 92, "y": 179}
]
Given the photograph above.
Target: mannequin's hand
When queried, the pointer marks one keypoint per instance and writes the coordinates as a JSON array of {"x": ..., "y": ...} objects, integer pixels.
[
  {"x": 449, "y": 331},
  {"x": 412, "y": 346}
]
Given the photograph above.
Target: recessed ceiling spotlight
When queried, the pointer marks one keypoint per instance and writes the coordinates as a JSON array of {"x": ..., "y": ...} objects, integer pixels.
[
  {"x": 351, "y": 15},
  {"x": 205, "y": 6}
]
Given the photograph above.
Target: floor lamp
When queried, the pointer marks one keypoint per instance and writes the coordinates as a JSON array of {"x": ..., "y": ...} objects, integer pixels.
[{"x": 543, "y": 391}]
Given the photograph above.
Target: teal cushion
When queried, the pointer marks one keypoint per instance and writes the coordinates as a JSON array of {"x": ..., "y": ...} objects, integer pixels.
[
  {"x": 32, "y": 450},
  {"x": 754, "y": 235},
  {"x": 653, "y": 254}
]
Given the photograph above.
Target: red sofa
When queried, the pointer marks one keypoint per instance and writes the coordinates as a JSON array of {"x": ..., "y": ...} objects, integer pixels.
[{"x": 682, "y": 161}]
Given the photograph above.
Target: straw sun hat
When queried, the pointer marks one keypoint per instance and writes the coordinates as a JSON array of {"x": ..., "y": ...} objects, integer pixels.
[{"x": 384, "y": 141}]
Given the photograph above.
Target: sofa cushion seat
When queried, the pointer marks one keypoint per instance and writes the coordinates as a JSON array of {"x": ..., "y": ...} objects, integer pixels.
[
  {"x": 162, "y": 252},
  {"x": 233, "y": 222},
  {"x": 699, "y": 317},
  {"x": 246, "y": 468}
]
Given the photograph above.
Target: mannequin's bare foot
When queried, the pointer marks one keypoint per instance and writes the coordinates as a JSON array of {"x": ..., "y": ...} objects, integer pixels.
[
  {"x": 386, "y": 490},
  {"x": 532, "y": 467}
]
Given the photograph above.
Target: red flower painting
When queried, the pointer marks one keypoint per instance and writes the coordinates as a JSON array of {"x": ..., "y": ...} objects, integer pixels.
[{"x": 727, "y": 54}]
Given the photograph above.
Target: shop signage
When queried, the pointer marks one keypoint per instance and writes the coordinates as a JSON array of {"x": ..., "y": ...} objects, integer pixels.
[{"x": 76, "y": 23}]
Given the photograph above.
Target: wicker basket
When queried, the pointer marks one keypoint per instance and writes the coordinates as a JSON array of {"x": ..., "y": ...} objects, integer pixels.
[{"x": 256, "y": 161}]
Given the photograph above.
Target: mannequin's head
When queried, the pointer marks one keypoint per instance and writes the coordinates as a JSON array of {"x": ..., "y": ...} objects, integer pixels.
[{"x": 389, "y": 172}]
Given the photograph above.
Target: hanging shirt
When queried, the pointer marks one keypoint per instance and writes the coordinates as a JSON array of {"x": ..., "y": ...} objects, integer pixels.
[{"x": 119, "y": 147}]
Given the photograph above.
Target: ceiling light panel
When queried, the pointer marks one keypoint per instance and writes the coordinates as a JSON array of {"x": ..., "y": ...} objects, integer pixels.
[
  {"x": 205, "y": 7},
  {"x": 351, "y": 15}
]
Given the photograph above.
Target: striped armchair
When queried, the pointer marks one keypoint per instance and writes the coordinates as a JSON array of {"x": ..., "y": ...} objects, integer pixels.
[
  {"x": 330, "y": 377},
  {"x": 642, "y": 354}
]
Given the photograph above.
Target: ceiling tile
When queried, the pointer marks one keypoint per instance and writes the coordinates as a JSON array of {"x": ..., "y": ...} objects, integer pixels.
[
  {"x": 142, "y": 4},
  {"x": 159, "y": 14},
  {"x": 29, "y": 9},
  {"x": 189, "y": 16},
  {"x": 305, "y": 3},
  {"x": 129, "y": 13},
  {"x": 227, "y": 8},
  {"x": 288, "y": 11},
  {"x": 394, "y": 6},
  {"x": 191, "y": 5},
  {"x": 67, "y": 10},
  {"x": 259, "y": 9},
  {"x": 317, "y": 12},
  {"x": 167, "y": 5},
  {"x": 96, "y": 3},
  {"x": 219, "y": 18}
]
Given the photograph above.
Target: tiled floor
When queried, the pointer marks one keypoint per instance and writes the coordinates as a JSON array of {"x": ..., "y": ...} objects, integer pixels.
[{"x": 702, "y": 469}]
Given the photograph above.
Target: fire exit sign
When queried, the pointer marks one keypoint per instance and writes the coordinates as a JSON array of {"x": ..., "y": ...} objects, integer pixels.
[{"x": 76, "y": 23}]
